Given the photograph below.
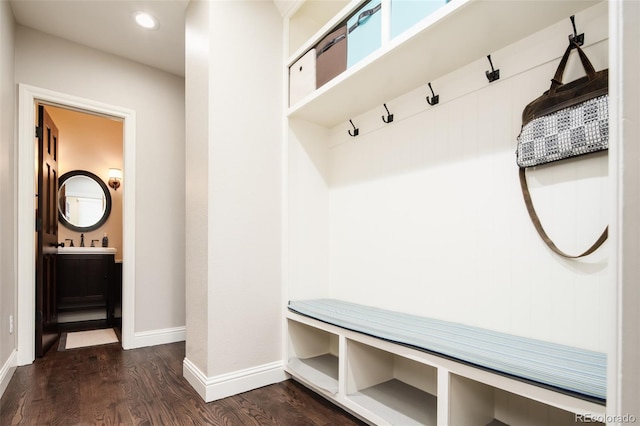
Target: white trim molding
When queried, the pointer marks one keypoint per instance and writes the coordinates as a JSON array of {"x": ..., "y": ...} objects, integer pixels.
[
  {"x": 228, "y": 384},
  {"x": 160, "y": 337},
  {"x": 287, "y": 7},
  {"x": 28, "y": 96},
  {"x": 7, "y": 370}
]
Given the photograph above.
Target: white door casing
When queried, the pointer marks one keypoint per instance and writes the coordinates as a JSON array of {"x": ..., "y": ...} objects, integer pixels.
[{"x": 28, "y": 97}]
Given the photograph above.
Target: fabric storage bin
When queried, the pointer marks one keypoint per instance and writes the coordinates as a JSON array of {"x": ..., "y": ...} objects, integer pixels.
[
  {"x": 331, "y": 56},
  {"x": 364, "y": 32},
  {"x": 406, "y": 13},
  {"x": 302, "y": 77}
]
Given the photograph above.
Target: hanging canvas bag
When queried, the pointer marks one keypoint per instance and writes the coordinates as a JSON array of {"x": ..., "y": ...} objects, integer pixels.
[{"x": 565, "y": 121}]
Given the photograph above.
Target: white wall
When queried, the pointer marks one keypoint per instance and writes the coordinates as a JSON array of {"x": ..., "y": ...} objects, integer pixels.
[
  {"x": 158, "y": 101},
  {"x": 426, "y": 216},
  {"x": 624, "y": 370},
  {"x": 234, "y": 197},
  {"x": 7, "y": 194},
  {"x": 244, "y": 185},
  {"x": 197, "y": 181}
]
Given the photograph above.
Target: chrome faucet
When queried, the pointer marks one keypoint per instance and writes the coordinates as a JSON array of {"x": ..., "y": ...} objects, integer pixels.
[{"x": 81, "y": 240}]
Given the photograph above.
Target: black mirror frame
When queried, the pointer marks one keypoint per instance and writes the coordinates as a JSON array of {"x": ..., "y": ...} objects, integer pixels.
[{"x": 107, "y": 195}]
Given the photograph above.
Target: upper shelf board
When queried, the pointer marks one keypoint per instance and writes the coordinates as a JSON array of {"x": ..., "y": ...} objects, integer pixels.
[{"x": 457, "y": 34}]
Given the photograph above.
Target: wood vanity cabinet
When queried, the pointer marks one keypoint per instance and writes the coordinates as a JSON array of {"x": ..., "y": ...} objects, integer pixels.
[{"x": 85, "y": 282}]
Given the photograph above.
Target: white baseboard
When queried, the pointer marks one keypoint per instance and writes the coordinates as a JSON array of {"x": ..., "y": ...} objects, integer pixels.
[
  {"x": 7, "y": 370},
  {"x": 159, "y": 337},
  {"x": 224, "y": 385}
]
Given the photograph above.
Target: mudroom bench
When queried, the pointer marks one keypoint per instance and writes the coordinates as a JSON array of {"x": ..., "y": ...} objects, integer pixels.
[{"x": 394, "y": 368}]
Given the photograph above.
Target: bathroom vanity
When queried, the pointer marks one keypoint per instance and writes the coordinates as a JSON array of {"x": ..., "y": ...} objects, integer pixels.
[{"x": 87, "y": 280}]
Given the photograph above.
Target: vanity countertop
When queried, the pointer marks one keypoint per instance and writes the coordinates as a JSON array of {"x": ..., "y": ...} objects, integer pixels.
[{"x": 87, "y": 250}]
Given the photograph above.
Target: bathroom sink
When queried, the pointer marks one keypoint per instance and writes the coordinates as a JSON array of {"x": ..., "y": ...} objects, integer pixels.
[{"x": 87, "y": 250}]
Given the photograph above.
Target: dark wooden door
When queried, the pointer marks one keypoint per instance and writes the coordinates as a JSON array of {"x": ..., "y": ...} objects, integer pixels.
[{"x": 46, "y": 332}]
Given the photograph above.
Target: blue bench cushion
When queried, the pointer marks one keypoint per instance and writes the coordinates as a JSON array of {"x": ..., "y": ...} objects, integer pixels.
[{"x": 564, "y": 368}]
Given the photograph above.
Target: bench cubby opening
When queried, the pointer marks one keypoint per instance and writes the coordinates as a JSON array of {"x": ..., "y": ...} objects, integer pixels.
[
  {"x": 475, "y": 403},
  {"x": 313, "y": 355},
  {"x": 397, "y": 389}
]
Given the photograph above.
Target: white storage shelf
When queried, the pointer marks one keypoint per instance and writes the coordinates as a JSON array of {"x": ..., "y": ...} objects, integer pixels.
[
  {"x": 458, "y": 33},
  {"x": 397, "y": 389},
  {"x": 475, "y": 403},
  {"x": 389, "y": 384},
  {"x": 313, "y": 356}
]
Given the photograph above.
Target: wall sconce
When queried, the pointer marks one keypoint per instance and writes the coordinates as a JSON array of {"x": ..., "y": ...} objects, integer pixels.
[{"x": 115, "y": 178}]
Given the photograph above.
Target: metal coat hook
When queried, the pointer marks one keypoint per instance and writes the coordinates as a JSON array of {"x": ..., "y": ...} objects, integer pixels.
[
  {"x": 389, "y": 118},
  {"x": 494, "y": 74},
  {"x": 434, "y": 98},
  {"x": 575, "y": 37},
  {"x": 355, "y": 131}
]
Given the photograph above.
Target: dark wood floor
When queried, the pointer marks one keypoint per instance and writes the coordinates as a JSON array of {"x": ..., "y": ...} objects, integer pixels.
[{"x": 108, "y": 386}]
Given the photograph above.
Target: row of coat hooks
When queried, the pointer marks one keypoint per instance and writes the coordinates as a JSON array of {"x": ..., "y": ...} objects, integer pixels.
[
  {"x": 432, "y": 100},
  {"x": 492, "y": 75}
]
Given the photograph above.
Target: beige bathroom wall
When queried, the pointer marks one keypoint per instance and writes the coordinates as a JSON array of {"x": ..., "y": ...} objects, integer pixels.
[{"x": 95, "y": 144}]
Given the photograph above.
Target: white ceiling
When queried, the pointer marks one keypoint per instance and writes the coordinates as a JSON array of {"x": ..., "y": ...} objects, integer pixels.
[{"x": 108, "y": 25}]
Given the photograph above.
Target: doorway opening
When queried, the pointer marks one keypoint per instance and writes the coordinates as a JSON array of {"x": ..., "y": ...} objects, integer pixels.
[
  {"x": 86, "y": 291},
  {"x": 29, "y": 98}
]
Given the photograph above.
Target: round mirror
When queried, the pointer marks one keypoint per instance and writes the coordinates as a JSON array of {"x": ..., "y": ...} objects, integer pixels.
[{"x": 84, "y": 201}]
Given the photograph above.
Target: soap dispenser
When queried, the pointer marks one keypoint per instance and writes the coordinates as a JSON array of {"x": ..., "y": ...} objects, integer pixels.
[{"x": 105, "y": 240}]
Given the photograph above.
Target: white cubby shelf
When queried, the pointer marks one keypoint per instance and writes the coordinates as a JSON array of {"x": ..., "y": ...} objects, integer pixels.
[
  {"x": 455, "y": 35},
  {"x": 385, "y": 383},
  {"x": 398, "y": 389},
  {"x": 313, "y": 356}
]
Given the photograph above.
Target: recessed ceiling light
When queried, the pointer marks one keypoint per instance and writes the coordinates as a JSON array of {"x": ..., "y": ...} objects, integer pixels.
[{"x": 145, "y": 20}]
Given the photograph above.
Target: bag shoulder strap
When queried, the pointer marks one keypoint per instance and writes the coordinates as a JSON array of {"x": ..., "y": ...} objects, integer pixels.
[{"x": 538, "y": 225}]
